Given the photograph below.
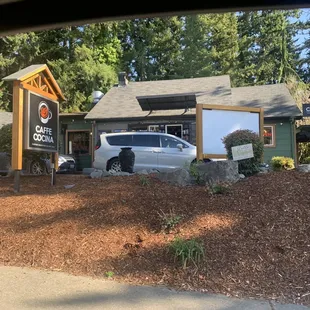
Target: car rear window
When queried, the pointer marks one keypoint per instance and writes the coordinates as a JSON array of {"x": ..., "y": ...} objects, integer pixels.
[
  {"x": 146, "y": 140},
  {"x": 123, "y": 140}
]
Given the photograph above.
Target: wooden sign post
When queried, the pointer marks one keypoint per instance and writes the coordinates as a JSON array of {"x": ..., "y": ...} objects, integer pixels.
[{"x": 35, "y": 115}]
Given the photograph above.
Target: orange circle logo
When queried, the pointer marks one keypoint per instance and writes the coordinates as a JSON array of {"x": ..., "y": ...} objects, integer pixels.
[{"x": 45, "y": 114}]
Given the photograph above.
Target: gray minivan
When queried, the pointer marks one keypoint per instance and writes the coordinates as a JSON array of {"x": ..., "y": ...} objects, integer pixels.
[{"x": 153, "y": 150}]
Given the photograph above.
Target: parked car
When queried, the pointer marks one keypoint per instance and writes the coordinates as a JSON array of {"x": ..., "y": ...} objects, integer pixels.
[
  {"x": 38, "y": 166},
  {"x": 152, "y": 151}
]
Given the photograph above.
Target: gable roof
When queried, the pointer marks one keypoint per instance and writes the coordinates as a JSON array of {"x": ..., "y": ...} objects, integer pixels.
[
  {"x": 29, "y": 71},
  {"x": 5, "y": 118},
  {"x": 121, "y": 102},
  {"x": 275, "y": 99}
]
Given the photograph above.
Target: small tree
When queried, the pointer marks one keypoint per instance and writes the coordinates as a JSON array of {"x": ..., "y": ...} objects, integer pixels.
[{"x": 239, "y": 137}]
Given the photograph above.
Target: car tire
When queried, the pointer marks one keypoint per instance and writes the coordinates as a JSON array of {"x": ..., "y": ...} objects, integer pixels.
[
  {"x": 114, "y": 165},
  {"x": 37, "y": 167}
]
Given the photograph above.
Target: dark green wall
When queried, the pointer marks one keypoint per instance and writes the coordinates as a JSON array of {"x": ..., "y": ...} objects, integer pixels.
[{"x": 284, "y": 140}]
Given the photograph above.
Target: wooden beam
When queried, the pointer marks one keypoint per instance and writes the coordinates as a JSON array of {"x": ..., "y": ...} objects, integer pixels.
[
  {"x": 50, "y": 87},
  {"x": 17, "y": 128},
  {"x": 31, "y": 78},
  {"x": 199, "y": 133},
  {"x": 230, "y": 108},
  {"x": 261, "y": 124},
  {"x": 216, "y": 156},
  {"x": 55, "y": 85},
  {"x": 34, "y": 83},
  {"x": 40, "y": 92},
  {"x": 39, "y": 81}
]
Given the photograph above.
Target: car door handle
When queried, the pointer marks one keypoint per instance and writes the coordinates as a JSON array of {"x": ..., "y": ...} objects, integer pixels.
[{"x": 155, "y": 151}]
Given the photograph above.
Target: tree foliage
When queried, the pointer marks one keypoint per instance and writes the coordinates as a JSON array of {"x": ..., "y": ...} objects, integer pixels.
[{"x": 254, "y": 48}]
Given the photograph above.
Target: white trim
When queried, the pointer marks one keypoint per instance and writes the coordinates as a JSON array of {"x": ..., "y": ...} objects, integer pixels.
[{"x": 273, "y": 140}]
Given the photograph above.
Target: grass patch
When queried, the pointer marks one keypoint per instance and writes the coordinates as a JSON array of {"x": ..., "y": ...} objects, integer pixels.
[{"x": 188, "y": 251}]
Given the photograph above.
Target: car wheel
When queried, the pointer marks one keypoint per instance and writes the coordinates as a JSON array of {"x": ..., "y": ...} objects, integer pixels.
[
  {"x": 37, "y": 168},
  {"x": 115, "y": 165}
]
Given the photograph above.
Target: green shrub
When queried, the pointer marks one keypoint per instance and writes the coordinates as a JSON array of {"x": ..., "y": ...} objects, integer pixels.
[
  {"x": 109, "y": 274},
  {"x": 248, "y": 166},
  {"x": 218, "y": 189},
  {"x": 306, "y": 160},
  {"x": 282, "y": 163},
  {"x": 194, "y": 172},
  {"x": 169, "y": 220},
  {"x": 187, "y": 251},
  {"x": 6, "y": 138},
  {"x": 144, "y": 180}
]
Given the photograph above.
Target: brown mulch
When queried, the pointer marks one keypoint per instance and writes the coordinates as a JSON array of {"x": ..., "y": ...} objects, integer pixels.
[{"x": 256, "y": 236}]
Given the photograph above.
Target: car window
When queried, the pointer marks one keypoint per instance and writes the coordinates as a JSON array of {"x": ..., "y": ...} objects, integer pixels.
[
  {"x": 146, "y": 140},
  {"x": 171, "y": 142},
  {"x": 123, "y": 140}
]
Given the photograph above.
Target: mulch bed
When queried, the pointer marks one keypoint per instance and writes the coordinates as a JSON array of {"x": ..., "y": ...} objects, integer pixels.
[{"x": 256, "y": 236}]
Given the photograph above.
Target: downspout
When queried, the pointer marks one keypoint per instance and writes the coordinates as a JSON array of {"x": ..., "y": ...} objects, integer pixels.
[{"x": 293, "y": 140}]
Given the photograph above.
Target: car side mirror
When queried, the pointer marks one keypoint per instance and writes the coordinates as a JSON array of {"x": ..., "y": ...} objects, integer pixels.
[{"x": 180, "y": 147}]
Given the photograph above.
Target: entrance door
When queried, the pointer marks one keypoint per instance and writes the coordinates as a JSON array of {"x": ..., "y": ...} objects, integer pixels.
[
  {"x": 79, "y": 145},
  {"x": 175, "y": 130}
]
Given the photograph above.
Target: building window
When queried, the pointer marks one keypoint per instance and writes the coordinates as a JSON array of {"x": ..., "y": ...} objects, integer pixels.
[{"x": 269, "y": 136}]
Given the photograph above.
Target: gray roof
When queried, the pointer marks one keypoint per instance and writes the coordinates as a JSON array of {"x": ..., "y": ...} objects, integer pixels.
[
  {"x": 121, "y": 102},
  {"x": 5, "y": 118},
  {"x": 274, "y": 98},
  {"x": 20, "y": 74}
]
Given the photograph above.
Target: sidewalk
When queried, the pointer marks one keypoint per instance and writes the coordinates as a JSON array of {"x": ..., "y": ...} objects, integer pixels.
[{"x": 23, "y": 289}]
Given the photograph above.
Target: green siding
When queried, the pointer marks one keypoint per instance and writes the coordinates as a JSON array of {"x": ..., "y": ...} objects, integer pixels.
[{"x": 284, "y": 141}]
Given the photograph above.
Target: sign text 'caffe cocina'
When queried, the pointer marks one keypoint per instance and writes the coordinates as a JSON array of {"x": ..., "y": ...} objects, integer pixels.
[
  {"x": 242, "y": 151},
  {"x": 41, "y": 123}
]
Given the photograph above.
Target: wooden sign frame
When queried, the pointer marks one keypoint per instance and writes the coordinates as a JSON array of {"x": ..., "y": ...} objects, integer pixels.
[
  {"x": 199, "y": 125},
  {"x": 39, "y": 80}
]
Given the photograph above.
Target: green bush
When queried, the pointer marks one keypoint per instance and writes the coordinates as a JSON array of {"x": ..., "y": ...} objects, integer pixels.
[
  {"x": 144, "y": 180},
  {"x": 282, "y": 163},
  {"x": 306, "y": 160},
  {"x": 6, "y": 139},
  {"x": 248, "y": 166},
  {"x": 169, "y": 220},
  {"x": 194, "y": 172},
  {"x": 187, "y": 251},
  {"x": 219, "y": 189}
]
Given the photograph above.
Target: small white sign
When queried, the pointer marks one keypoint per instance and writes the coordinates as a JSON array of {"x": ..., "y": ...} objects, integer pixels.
[{"x": 242, "y": 151}]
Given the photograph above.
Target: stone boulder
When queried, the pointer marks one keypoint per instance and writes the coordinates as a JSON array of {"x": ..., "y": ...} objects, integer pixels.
[
  {"x": 177, "y": 176},
  {"x": 219, "y": 171},
  {"x": 304, "y": 168},
  {"x": 96, "y": 174}
]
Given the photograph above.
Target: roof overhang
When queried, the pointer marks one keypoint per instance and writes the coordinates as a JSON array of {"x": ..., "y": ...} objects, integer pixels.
[{"x": 167, "y": 102}]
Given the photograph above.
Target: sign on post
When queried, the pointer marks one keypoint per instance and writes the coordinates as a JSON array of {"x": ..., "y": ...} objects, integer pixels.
[
  {"x": 35, "y": 114},
  {"x": 244, "y": 151},
  {"x": 41, "y": 123}
]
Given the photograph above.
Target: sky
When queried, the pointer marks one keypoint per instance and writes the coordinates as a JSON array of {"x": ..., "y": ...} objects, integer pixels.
[{"x": 303, "y": 35}]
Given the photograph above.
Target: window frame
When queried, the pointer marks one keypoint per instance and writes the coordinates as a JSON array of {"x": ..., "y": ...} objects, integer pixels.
[
  {"x": 273, "y": 132},
  {"x": 172, "y": 125}
]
